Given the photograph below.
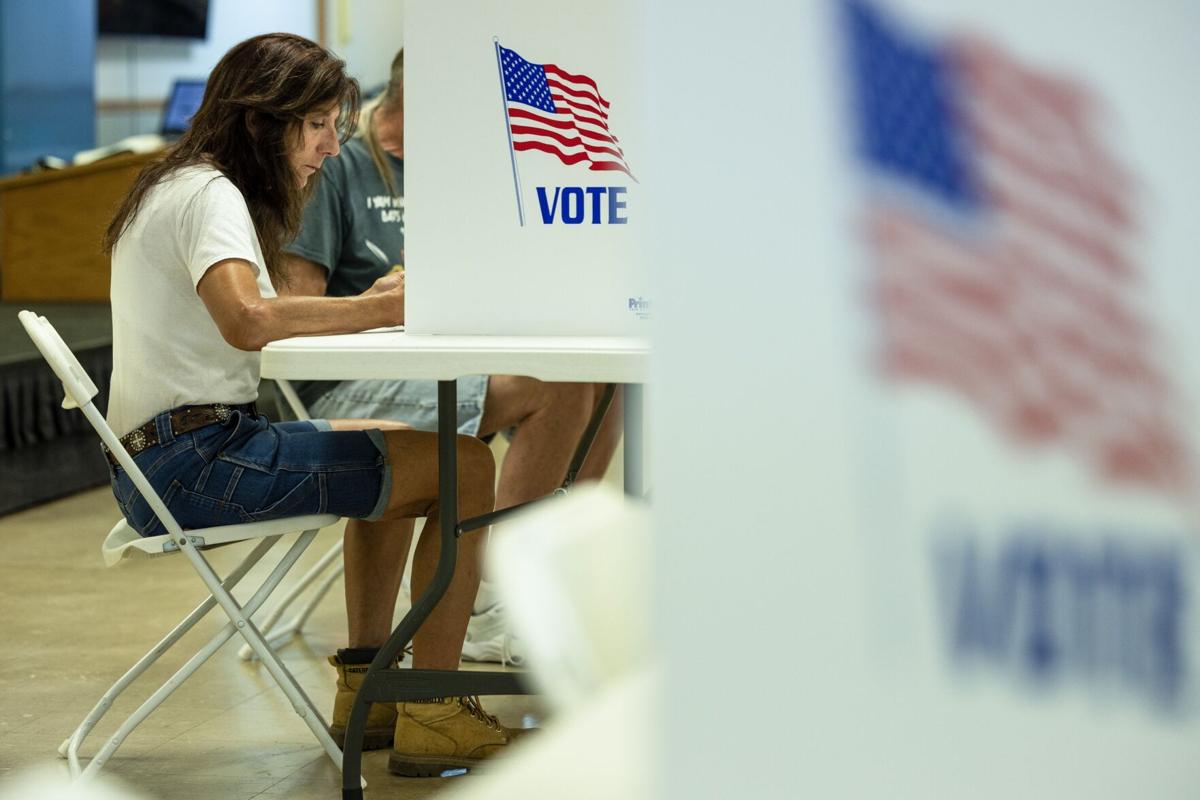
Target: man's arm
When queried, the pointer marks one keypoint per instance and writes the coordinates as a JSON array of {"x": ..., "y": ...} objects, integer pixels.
[
  {"x": 248, "y": 321},
  {"x": 303, "y": 277}
]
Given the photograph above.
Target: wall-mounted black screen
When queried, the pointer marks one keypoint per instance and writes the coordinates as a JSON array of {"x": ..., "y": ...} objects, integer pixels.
[{"x": 187, "y": 19}]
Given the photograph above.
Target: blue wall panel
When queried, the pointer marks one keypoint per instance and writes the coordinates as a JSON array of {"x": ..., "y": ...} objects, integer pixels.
[{"x": 47, "y": 80}]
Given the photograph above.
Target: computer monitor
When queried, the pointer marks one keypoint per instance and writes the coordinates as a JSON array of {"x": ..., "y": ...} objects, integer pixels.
[{"x": 185, "y": 98}]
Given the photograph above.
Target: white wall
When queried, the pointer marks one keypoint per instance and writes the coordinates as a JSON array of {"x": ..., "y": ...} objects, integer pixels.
[
  {"x": 142, "y": 69},
  {"x": 366, "y": 33}
]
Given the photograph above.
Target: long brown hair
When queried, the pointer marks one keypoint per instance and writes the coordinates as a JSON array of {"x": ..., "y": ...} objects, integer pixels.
[
  {"x": 390, "y": 101},
  {"x": 253, "y": 104}
]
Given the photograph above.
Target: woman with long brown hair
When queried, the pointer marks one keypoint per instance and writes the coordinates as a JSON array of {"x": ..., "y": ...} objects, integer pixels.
[{"x": 194, "y": 248}]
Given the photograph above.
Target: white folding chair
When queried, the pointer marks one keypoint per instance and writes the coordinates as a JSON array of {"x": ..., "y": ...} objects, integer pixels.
[
  {"x": 123, "y": 542},
  {"x": 278, "y": 636}
]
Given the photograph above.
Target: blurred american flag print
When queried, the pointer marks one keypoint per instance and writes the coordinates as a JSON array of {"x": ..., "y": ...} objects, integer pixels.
[{"x": 999, "y": 228}]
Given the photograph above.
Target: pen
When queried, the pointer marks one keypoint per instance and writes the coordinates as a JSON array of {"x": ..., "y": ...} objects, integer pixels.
[{"x": 378, "y": 253}]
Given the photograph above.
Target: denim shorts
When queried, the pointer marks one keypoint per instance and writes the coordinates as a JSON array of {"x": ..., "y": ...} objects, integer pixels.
[
  {"x": 412, "y": 402},
  {"x": 250, "y": 470}
]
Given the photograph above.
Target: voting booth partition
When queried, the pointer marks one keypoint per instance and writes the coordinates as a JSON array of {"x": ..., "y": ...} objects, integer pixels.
[
  {"x": 953, "y": 489},
  {"x": 524, "y": 144}
]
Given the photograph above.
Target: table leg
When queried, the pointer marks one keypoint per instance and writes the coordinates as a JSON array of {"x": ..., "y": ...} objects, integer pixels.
[
  {"x": 448, "y": 472},
  {"x": 634, "y": 445},
  {"x": 375, "y": 682}
]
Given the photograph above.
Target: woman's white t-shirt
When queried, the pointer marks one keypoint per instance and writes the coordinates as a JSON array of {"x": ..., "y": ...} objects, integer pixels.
[{"x": 167, "y": 351}]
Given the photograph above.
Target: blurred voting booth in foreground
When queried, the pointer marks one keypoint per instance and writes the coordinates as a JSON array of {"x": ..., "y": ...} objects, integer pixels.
[
  {"x": 590, "y": 649},
  {"x": 926, "y": 517},
  {"x": 524, "y": 145},
  {"x": 947, "y": 522}
]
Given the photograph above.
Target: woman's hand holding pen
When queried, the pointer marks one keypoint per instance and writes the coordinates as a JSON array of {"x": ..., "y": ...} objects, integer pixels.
[{"x": 392, "y": 283}]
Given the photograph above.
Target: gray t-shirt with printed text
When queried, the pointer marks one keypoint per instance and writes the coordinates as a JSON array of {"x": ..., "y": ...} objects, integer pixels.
[{"x": 352, "y": 206}]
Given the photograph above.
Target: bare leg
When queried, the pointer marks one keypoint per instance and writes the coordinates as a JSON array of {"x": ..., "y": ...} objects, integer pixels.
[
  {"x": 369, "y": 608},
  {"x": 438, "y": 643},
  {"x": 375, "y": 554},
  {"x": 549, "y": 418},
  {"x": 607, "y": 438}
]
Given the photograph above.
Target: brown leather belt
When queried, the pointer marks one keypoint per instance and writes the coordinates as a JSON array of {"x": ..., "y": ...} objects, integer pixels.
[{"x": 183, "y": 419}]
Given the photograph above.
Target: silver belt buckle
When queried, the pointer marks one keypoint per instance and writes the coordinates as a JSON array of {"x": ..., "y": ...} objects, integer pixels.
[
  {"x": 137, "y": 441},
  {"x": 222, "y": 411}
]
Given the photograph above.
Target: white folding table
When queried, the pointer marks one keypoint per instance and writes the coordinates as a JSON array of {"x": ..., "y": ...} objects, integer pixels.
[{"x": 393, "y": 354}]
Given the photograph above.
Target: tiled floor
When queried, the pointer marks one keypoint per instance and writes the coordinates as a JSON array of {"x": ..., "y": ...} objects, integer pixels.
[{"x": 72, "y": 626}]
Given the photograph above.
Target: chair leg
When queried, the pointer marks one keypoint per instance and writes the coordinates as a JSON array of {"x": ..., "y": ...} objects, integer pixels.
[
  {"x": 156, "y": 699},
  {"x": 302, "y": 705},
  {"x": 243, "y": 615},
  {"x": 298, "y": 621},
  {"x": 277, "y": 636},
  {"x": 283, "y": 634},
  {"x": 239, "y": 622},
  {"x": 70, "y": 748}
]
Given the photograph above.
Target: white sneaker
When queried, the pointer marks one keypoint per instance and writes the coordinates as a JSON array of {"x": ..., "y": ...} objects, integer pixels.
[
  {"x": 488, "y": 638},
  {"x": 487, "y": 624},
  {"x": 504, "y": 649}
]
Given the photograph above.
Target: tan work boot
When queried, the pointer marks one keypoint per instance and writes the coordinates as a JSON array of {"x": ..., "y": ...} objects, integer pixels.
[
  {"x": 439, "y": 735},
  {"x": 381, "y": 717}
]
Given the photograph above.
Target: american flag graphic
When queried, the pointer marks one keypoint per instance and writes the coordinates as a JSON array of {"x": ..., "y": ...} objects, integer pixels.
[
  {"x": 559, "y": 113},
  {"x": 1000, "y": 230}
]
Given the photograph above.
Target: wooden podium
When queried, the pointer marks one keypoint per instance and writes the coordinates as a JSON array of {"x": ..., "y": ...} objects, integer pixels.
[{"x": 51, "y": 225}]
